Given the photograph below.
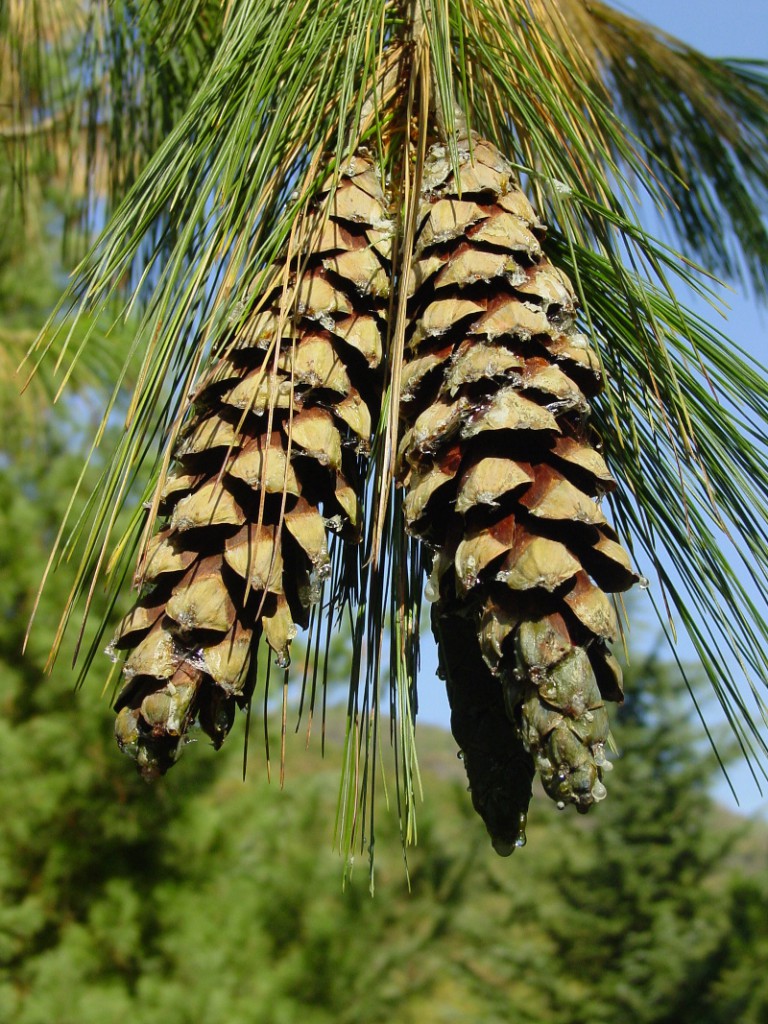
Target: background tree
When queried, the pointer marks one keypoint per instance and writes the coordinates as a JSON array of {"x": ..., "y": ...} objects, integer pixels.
[
  {"x": 204, "y": 895},
  {"x": 656, "y": 863},
  {"x": 259, "y": 103}
]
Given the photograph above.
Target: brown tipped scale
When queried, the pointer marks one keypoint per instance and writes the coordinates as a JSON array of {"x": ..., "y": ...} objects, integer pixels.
[
  {"x": 210, "y": 505},
  {"x": 157, "y": 655},
  {"x": 609, "y": 564},
  {"x": 446, "y": 220},
  {"x": 441, "y": 316},
  {"x": 593, "y": 609},
  {"x": 473, "y": 362},
  {"x": 259, "y": 392},
  {"x": 551, "y": 288},
  {"x": 508, "y": 316},
  {"x": 554, "y": 497},
  {"x": 351, "y": 204},
  {"x": 267, "y": 463},
  {"x": 254, "y": 554},
  {"x": 139, "y": 620},
  {"x": 508, "y": 232},
  {"x": 537, "y": 563},
  {"x": 436, "y": 424},
  {"x": 469, "y": 266},
  {"x": 356, "y": 413},
  {"x": 555, "y": 387},
  {"x": 207, "y": 433},
  {"x": 480, "y": 547},
  {"x": 177, "y": 485},
  {"x": 362, "y": 333},
  {"x": 226, "y": 662},
  {"x": 503, "y": 480},
  {"x": 315, "y": 362},
  {"x": 417, "y": 369},
  {"x": 363, "y": 269},
  {"x": 307, "y": 527},
  {"x": 201, "y": 601},
  {"x": 314, "y": 432},
  {"x": 426, "y": 481},
  {"x": 317, "y": 297},
  {"x": 264, "y": 465},
  {"x": 578, "y": 458},
  {"x": 488, "y": 479},
  {"x": 508, "y": 409},
  {"x": 165, "y": 554}
]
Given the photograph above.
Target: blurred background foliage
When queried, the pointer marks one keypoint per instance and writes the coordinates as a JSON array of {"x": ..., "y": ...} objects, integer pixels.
[{"x": 204, "y": 897}]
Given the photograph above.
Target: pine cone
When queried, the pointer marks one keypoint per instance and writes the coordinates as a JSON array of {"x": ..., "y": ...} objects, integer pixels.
[
  {"x": 270, "y": 460},
  {"x": 499, "y": 768},
  {"x": 503, "y": 478}
]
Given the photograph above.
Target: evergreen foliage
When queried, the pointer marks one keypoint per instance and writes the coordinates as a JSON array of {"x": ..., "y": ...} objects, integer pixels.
[
  {"x": 207, "y": 898},
  {"x": 204, "y": 897},
  {"x": 205, "y": 134}
]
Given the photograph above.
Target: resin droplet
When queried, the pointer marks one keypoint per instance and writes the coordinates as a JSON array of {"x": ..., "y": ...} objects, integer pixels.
[
  {"x": 283, "y": 658},
  {"x": 522, "y": 839}
]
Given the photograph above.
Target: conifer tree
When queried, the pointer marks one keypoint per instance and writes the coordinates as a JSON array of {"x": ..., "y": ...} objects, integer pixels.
[
  {"x": 504, "y": 144},
  {"x": 655, "y": 864}
]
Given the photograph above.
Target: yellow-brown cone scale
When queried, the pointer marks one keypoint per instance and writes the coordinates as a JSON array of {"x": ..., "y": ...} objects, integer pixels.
[
  {"x": 504, "y": 482},
  {"x": 268, "y": 464}
]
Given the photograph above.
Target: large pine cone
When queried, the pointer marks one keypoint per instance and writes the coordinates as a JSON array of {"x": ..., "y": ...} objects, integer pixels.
[
  {"x": 504, "y": 481},
  {"x": 269, "y": 462}
]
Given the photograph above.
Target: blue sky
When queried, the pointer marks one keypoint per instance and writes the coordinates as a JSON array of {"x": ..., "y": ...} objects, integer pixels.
[{"x": 738, "y": 28}]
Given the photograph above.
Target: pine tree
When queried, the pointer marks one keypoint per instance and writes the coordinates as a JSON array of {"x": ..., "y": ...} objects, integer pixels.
[
  {"x": 160, "y": 911},
  {"x": 656, "y": 862},
  {"x": 263, "y": 105}
]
